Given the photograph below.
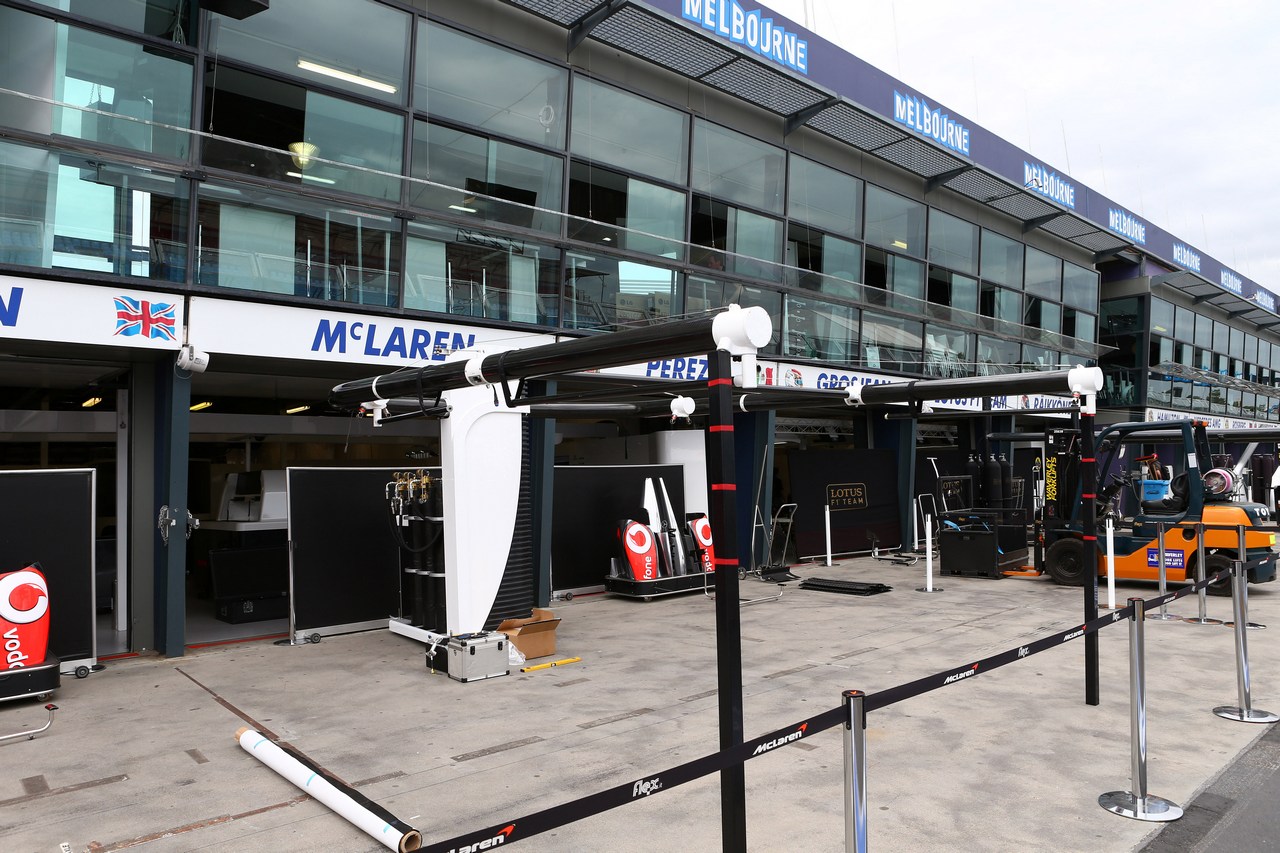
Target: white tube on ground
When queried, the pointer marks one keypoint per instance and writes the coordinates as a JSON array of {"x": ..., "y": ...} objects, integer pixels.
[
  {"x": 1111, "y": 564},
  {"x": 826, "y": 520},
  {"x": 321, "y": 789}
]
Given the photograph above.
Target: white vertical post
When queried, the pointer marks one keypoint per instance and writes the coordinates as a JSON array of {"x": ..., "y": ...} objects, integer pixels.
[
  {"x": 928, "y": 558},
  {"x": 826, "y": 520},
  {"x": 1111, "y": 564}
]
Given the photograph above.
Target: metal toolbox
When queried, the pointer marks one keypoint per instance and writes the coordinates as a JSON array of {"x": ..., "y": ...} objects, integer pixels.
[{"x": 475, "y": 657}]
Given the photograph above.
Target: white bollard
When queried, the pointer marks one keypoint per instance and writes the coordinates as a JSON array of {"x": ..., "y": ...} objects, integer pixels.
[
  {"x": 826, "y": 519},
  {"x": 928, "y": 559},
  {"x": 1111, "y": 564}
]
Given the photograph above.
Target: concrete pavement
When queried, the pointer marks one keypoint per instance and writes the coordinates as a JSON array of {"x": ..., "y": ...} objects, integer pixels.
[{"x": 142, "y": 754}]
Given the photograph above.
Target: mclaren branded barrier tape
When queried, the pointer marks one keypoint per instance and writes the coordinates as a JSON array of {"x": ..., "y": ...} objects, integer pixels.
[{"x": 511, "y": 831}]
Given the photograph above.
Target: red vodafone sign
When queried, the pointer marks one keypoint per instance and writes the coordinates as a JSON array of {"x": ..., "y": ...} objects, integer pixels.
[{"x": 24, "y": 618}]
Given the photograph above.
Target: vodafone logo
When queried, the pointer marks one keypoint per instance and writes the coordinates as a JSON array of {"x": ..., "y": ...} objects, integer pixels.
[
  {"x": 702, "y": 530},
  {"x": 638, "y": 538},
  {"x": 24, "y": 597}
]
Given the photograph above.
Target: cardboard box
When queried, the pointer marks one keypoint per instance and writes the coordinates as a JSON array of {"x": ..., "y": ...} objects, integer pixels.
[{"x": 535, "y": 637}]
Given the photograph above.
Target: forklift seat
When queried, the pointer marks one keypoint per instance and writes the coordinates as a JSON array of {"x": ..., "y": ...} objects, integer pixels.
[{"x": 1177, "y": 500}]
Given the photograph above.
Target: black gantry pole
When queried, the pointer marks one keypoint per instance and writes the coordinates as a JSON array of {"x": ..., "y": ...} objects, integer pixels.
[
  {"x": 723, "y": 505},
  {"x": 1089, "y": 529}
]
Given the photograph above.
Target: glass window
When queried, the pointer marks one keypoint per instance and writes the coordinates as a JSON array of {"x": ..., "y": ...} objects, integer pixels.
[
  {"x": 1038, "y": 358},
  {"x": 953, "y": 242},
  {"x": 828, "y": 200},
  {"x": 1001, "y": 259},
  {"x": 837, "y": 260},
  {"x": 633, "y": 133},
  {"x": 359, "y": 46},
  {"x": 1236, "y": 346},
  {"x": 288, "y": 244},
  {"x": 1045, "y": 316},
  {"x": 952, "y": 289},
  {"x": 737, "y": 168},
  {"x": 1184, "y": 327},
  {"x": 1079, "y": 287},
  {"x": 170, "y": 19},
  {"x": 1043, "y": 275},
  {"x": 816, "y": 328},
  {"x": 603, "y": 293},
  {"x": 1077, "y": 324},
  {"x": 948, "y": 353},
  {"x": 706, "y": 293},
  {"x": 315, "y": 138},
  {"x": 455, "y": 271},
  {"x": 627, "y": 212},
  {"x": 902, "y": 277},
  {"x": 891, "y": 343},
  {"x": 896, "y": 223},
  {"x": 1161, "y": 317},
  {"x": 478, "y": 83},
  {"x": 1251, "y": 349},
  {"x": 120, "y": 90},
  {"x": 1001, "y": 303},
  {"x": 735, "y": 238},
  {"x": 997, "y": 356},
  {"x": 1221, "y": 338},
  {"x": 66, "y": 211},
  {"x": 1204, "y": 332},
  {"x": 491, "y": 181}
]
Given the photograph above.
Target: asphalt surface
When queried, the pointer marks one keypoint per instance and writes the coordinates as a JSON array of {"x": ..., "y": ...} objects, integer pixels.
[{"x": 143, "y": 754}]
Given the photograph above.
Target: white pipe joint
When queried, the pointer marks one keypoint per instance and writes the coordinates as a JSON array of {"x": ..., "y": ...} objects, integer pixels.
[
  {"x": 376, "y": 409},
  {"x": 853, "y": 395},
  {"x": 742, "y": 331},
  {"x": 474, "y": 370},
  {"x": 682, "y": 407},
  {"x": 1084, "y": 380}
]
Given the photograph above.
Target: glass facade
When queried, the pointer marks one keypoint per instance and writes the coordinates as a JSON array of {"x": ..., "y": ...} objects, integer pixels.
[{"x": 410, "y": 166}]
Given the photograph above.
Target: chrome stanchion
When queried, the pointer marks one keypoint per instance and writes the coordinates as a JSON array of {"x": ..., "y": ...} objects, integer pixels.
[
  {"x": 1244, "y": 712},
  {"x": 855, "y": 773},
  {"x": 1252, "y": 626},
  {"x": 1164, "y": 615},
  {"x": 1138, "y": 804},
  {"x": 1203, "y": 618}
]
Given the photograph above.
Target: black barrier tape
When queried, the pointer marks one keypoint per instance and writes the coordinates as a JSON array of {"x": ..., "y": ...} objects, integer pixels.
[
  {"x": 612, "y": 798},
  {"x": 893, "y": 695},
  {"x": 593, "y": 804}
]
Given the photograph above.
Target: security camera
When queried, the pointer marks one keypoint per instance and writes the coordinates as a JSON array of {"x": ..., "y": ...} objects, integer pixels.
[{"x": 195, "y": 360}]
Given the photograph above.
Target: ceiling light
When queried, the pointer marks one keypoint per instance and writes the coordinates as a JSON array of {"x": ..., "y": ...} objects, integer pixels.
[
  {"x": 91, "y": 402},
  {"x": 302, "y": 153},
  {"x": 296, "y": 409},
  {"x": 312, "y": 178},
  {"x": 198, "y": 407},
  {"x": 899, "y": 244},
  {"x": 462, "y": 208},
  {"x": 338, "y": 74}
]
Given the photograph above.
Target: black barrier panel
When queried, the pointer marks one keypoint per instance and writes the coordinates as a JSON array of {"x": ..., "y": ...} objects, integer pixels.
[
  {"x": 345, "y": 565},
  {"x": 47, "y": 517},
  {"x": 589, "y": 501},
  {"x": 871, "y": 474},
  {"x": 510, "y": 831}
]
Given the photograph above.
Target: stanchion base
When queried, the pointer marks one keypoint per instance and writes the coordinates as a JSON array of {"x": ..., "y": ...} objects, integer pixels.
[
  {"x": 1196, "y": 620},
  {"x": 1161, "y": 617},
  {"x": 926, "y": 589},
  {"x": 1252, "y": 626},
  {"x": 1148, "y": 808},
  {"x": 1240, "y": 715}
]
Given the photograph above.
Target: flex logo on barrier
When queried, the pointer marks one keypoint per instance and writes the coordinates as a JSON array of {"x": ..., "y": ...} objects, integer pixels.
[
  {"x": 644, "y": 788},
  {"x": 488, "y": 843},
  {"x": 781, "y": 741}
]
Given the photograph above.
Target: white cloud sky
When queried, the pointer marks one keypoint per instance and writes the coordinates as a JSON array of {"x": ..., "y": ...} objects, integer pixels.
[{"x": 1169, "y": 107}]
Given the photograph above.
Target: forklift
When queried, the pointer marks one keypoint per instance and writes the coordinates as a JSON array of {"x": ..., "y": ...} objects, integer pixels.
[{"x": 1213, "y": 497}]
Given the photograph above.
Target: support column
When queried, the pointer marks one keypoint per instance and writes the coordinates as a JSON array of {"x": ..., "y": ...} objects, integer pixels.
[
  {"x": 722, "y": 490},
  {"x": 173, "y": 444}
]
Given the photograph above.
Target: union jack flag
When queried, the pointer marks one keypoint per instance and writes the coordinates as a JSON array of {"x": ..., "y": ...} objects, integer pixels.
[{"x": 148, "y": 319}]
